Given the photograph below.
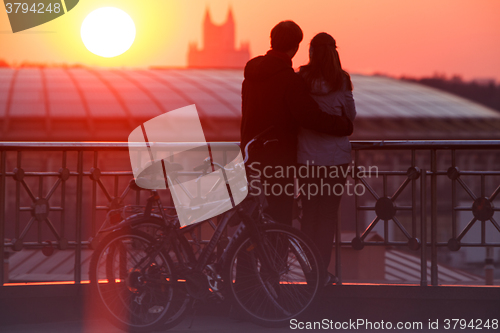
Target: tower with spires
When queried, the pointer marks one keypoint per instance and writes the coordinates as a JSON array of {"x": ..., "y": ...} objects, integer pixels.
[{"x": 219, "y": 49}]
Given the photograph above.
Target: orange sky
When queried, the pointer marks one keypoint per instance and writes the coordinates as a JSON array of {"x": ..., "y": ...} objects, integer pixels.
[{"x": 395, "y": 37}]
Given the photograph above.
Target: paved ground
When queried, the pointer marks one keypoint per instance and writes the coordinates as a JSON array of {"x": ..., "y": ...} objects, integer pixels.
[
  {"x": 194, "y": 325},
  {"x": 199, "y": 324},
  {"x": 39, "y": 310}
]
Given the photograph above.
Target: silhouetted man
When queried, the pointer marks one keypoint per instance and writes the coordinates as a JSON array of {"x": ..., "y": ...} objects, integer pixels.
[{"x": 274, "y": 95}]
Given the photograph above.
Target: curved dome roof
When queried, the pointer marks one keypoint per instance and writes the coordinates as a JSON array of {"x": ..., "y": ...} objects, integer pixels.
[
  {"x": 47, "y": 104},
  {"x": 378, "y": 96}
]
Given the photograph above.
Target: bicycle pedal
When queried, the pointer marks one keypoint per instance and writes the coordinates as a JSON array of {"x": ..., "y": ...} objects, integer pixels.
[
  {"x": 156, "y": 309},
  {"x": 217, "y": 296}
]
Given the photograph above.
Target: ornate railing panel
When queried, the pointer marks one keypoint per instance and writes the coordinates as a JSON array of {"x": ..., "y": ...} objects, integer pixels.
[{"x": 56, "y": 195}]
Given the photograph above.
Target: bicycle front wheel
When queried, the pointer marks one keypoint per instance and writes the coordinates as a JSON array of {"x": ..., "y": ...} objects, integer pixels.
[
  {"x": 135, "y": 282},
  {"x": 277, "y": 281}
]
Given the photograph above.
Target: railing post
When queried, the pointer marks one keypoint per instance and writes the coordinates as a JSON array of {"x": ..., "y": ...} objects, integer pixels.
[
  {"x": 434, "y": 272},
  {"x": 423, "y": 228},
  {"x": 338, "y": 241},
  {"x": 413, "y": 199},
  {"x": 2, "y": 216},
  {"x": 79, "y": 212},
  {"x": 453, "y": 198},
  {"x": 94, "y": 200}
]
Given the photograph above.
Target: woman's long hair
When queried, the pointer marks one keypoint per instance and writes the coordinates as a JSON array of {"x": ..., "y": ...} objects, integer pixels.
[{"x": 324, "y": 64}]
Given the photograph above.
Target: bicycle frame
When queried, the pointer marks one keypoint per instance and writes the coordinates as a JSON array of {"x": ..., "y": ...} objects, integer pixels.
[
  {"x": 246, "y": 221},
  {"x": 204, "y": 257}
]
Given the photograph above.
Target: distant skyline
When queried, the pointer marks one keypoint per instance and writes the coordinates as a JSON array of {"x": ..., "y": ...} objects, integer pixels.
[
  {"x": 393, "y": 37},
  {"x": 218, "y": 46}
]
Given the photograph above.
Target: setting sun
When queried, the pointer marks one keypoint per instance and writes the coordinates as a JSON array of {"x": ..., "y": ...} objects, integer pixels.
[{"x": 108, "y": 32}]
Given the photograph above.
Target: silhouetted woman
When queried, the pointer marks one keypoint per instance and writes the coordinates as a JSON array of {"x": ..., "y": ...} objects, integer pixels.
[{"x": 331, "y": 87}]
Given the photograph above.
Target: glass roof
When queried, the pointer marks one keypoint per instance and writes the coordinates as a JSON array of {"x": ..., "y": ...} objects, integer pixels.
[{"x": 132, "y": 96}]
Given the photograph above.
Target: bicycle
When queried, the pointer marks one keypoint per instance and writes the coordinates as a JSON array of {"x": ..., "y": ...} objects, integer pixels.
[{"x": 149, "y": 280}]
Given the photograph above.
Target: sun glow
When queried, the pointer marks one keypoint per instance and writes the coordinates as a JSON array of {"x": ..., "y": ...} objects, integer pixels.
[{"x": 108, "y": 32}]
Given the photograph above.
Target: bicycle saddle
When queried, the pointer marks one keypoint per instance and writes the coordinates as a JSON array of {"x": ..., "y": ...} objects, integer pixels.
[
  {"x": 172, "y": 167},
  {"x": 152, "y": 177},
  {"x": 146, "y": 183}
]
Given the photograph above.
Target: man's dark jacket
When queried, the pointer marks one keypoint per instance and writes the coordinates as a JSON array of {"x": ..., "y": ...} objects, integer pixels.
[{"x": 274, "y": 95}]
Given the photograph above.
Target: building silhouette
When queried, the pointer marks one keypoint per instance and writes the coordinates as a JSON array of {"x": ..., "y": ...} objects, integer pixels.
[{"x": 218, "y": 46}]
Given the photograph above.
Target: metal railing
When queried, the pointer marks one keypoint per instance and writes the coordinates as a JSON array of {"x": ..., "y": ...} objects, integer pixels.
[
  {"x": 385, "y": 207},
  {"x": 86, "y": 180}
]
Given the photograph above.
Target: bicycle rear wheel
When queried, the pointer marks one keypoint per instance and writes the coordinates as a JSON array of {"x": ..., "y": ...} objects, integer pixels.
[
  {"x": 136, "y": 284},
  {"x": 273, "y": 294},
  {"x": 155, "y": 227}
]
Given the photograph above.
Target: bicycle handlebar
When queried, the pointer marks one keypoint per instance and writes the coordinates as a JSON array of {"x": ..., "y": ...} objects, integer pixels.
[
  {"x": 207, "y": 162},
  {"x": 257, "y": 137}
]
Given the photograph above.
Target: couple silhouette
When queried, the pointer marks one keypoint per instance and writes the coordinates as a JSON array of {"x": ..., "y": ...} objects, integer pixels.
[{"x": 311, "y": 113}]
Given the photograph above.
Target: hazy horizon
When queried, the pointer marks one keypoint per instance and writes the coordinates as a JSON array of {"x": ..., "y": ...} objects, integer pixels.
[{"x": 389, "y": 37}]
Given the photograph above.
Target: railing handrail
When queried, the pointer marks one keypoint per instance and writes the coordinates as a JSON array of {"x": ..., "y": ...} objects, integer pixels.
[
  {"x": 101, "y": 145},
  {"x": 425, "y": 144},
  {"x": 356, "y": 145}
]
